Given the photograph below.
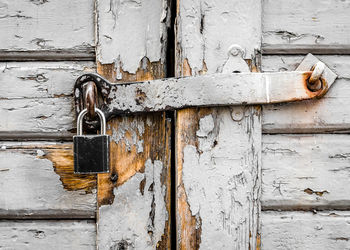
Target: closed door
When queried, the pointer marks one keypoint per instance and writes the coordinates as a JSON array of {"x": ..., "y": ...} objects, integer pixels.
[{"x": 235, "y": 177}]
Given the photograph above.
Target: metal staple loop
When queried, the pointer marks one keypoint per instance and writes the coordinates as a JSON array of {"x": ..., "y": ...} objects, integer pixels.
[
  {"x": 315, "y": 81},
  {"x": 317, "y": 72},
  {"x": 90, "y": 98}
]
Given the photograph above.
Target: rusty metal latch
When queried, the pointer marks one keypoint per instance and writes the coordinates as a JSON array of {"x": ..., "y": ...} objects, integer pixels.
[{"x": 312, "y": 79}]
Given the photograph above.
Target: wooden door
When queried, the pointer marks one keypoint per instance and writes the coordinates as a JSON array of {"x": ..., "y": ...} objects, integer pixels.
[{"x": 240, "y": 177}]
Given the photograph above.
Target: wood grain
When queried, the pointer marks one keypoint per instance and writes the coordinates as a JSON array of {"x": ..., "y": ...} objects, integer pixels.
[
  {"x": 43, "y": 234},
  {"x": 38, "y": 181},
  {"x": 305, "y": 172},
  {"x": 47, "y": 30},
  {"x": 134, "y": 198},
  {"x": 305, "y": 230},
  {"x": 218, "y": 177},
  {"x": 298, "y": 27},
  {"x": 328, "y": 114},
  {"x": 218, "y": 174},
  {"x": 36, "y": 97}
]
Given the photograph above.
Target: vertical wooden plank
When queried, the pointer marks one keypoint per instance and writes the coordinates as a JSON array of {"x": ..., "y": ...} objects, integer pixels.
[
  {"x": 134, "y": 198},
  {"x": 218, "y": 149}
]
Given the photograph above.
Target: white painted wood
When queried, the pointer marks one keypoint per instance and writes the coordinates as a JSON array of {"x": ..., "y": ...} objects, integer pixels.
[
  {"x": 221, "y": 177},
  {"x": 207, "y": 29},
  {"x": 30, "y": 185},
  {"x": 40, "y": 79},
  {"x": 220, "y": 168},
  {"x": 38, "y": 96},
  {"x": 306, "y": 26},
  {"x": 330, "y": 113},
  {"x": 40, "y": 28},
  {"x": 137, "y": 217},
  {"x": 300, "y": 230},
  {"x": 133, "y": 35},
  {"x": 43, "y": 235},
  {"x": 130, "y": 30},
  {"x": 306, "y": 172}
]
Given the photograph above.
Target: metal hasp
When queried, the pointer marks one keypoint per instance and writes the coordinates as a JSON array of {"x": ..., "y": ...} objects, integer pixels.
[{"x": 208, "y": 90}]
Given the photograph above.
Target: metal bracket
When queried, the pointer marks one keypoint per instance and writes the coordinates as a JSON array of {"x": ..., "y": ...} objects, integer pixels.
[{"x": 202, "y": 91}]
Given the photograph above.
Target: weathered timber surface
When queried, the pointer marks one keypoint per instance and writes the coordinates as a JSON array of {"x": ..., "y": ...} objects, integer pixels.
[
  {"x": 305, "y": 230},
  {"x": 47, "y": 30},
  {"x": 130, "y": 32},
  {"x": 37, "y": 97},
  {"x": 134, "y": 198},
  {"x": 217, "y": 150},
  {"x": 43, "y": 235},
  {"x": 331, "y": 113},
  {"x": 37, "y": 181},
  {"x": 305, "y": 172},
  {"x": 218, "y": 177},
  {"x": 295, "y": 27},
  {"x": 135, "y": 207},
  {"x": 206, "y": 29}
]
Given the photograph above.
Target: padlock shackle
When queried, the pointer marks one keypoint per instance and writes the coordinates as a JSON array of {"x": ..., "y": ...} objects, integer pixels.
[{"x": 80, "y": 121}]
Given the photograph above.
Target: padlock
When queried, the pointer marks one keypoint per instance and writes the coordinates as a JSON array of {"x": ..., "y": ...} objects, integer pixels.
[{"x": 91, "y": 152}]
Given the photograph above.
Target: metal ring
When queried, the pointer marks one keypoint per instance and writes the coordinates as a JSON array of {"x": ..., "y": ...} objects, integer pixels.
[
  {"x": 317, "y": 71},
  {"x": 80, "y": 121},
  {"x": 90, "y": 98}
]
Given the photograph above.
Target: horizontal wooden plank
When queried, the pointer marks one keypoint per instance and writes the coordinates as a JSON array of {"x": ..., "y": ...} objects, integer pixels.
[
  {"x": 43, "y": 235},
  {"x": 37, "y": 181},
  {"x": 306, "y": 26},
  {"x": 52, "y": 28},
  {"x": 305, "y": 230},
  {"x": 306, "y": 172},
  {"x": 38, "y": 96},
  {"x": 328, "y": 114},
  {"x": 40, "y": 79}
]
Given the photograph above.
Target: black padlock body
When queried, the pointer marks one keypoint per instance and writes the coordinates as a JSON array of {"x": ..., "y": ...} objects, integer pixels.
[{"x": 91, "y": 154}]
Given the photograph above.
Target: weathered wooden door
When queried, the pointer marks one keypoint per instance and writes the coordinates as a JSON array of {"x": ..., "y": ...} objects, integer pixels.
[{"x": 239, "y": 177}]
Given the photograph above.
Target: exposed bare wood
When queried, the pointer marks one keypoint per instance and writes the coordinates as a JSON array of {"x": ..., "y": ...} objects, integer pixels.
[
  {"x": 328, "y": 114},
  {"x": 305, "y": 172},
  {"x": 305, "y": 230},
  {"x": 294, "y": 26},
  {"x": 134, "y": 198},
  {"x": 42, "y": 235},
  {"x": 39, "y": 178},
  {"x": 47, "y": 30},
  {"x": 217, "y": 191},
  {"x": 218, "y": 174}
]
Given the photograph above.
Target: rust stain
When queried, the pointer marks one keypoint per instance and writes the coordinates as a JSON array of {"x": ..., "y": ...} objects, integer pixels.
[{"x": 314, "y": 94}]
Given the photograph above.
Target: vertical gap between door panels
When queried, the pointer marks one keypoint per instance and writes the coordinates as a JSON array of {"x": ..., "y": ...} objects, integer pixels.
[{"x": 170, "y": 72}]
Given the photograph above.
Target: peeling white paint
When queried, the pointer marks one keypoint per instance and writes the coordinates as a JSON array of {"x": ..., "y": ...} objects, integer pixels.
[
  {"x": 222, "y": 179},
  {"x": 207, "y": 29},
  {"x": 136, "y": 128},
  {"x": 128, "y": 221},
  {"x": 31, "y": 184},
  {"x": 130, "y": 30}
]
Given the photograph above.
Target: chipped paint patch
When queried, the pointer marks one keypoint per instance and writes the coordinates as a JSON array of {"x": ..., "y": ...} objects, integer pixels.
[
  {"x": 126, "y": 42},
  {"x": 138, "y": 213},
  {"x": 221, "y": 177}
]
